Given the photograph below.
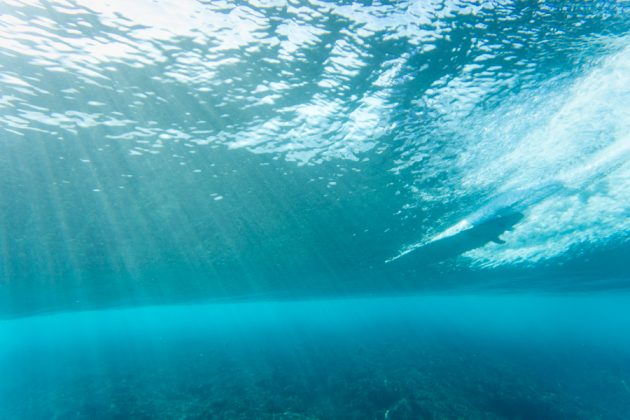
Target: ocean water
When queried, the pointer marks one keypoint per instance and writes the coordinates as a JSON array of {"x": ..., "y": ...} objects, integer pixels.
[{"x": 314, "y": 210}]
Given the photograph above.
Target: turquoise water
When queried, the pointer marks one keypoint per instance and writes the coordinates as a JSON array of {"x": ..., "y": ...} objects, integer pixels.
[
  {"x": 525, "y": 357},
  {"x": 319, "y": 209}
]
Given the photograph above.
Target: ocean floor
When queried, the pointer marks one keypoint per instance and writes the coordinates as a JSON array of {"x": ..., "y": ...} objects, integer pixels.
[{"x": 517, "y": 357}]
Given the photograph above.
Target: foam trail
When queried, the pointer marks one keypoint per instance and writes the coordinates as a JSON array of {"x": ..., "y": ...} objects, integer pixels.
[
  {"x": 585, "y": 145},
  {"x": 575, "y": 139}
]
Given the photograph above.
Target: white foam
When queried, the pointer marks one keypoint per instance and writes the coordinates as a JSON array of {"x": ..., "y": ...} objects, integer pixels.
[{"x": 580, "y": 137}]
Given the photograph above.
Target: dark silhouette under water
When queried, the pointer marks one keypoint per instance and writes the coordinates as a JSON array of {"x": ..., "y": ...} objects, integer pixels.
[
  {"x": 481, "y": 227},
  {"x": 464, "y": 241}
]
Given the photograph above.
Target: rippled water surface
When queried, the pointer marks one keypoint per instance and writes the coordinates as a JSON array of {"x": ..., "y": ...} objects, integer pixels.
[
  {"x": 184, "y": 152},
  {"x": 168, "y": 151}
]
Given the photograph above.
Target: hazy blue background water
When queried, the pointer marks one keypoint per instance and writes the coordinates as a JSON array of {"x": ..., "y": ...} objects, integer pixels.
[
  {"x": 228, "y": 154},
  {"x": 524, "y": 357}
]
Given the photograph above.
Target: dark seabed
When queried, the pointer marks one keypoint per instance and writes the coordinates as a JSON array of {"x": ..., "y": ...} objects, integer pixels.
[
  {"x": 318, "y": 209},
  {"x": 522, "y": 357}
]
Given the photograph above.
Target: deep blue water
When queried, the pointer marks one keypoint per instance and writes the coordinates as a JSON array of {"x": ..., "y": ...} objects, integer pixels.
[
  {"x": 319, "y": 209},
  {"x": 525, "y": 357}
]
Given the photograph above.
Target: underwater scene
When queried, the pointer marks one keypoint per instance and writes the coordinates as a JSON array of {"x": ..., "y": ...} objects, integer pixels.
[{"x": 318, "y": 209}]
